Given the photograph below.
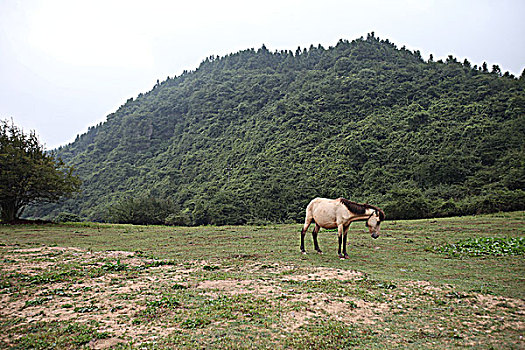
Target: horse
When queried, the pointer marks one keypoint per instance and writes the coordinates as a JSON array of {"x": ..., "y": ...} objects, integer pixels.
[{"x": 340, "y": 213}]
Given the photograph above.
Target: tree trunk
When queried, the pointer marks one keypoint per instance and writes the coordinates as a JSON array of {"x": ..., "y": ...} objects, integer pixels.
[{"x": 9, "y": 212}]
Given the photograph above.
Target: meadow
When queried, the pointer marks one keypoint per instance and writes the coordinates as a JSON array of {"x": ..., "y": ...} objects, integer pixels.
[{"x": 424, "y": 284}]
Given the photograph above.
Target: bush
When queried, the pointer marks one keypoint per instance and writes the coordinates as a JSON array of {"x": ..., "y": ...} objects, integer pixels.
[
  {"x": 225, "y": 208},
  {"x": 407, "y": 203},
  {"x": 67, "y": 217},
  {"x": 441, "y": 208},
  {"x": 502, "y": 200},
  {"x": 183, "y": 218},
  {"x": 141, "y": 211}
]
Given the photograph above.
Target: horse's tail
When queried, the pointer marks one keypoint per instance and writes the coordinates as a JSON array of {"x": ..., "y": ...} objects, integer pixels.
[{"x": 308, "y": 215}]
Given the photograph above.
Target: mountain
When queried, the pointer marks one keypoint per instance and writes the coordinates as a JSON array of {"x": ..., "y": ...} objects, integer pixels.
[{"x": 253, "y": 136}]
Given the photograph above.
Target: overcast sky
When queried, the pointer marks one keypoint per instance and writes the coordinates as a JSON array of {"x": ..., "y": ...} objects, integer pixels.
[{"x": 66, "y": 64}]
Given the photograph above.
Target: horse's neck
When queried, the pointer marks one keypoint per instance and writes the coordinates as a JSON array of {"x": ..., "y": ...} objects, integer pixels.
[{"x": 366, "y": 215}]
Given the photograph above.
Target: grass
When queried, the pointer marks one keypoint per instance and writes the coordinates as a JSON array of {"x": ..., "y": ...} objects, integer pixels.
[
  {"x": 53, "y": 335},
  {"x": 440, "y": 283}
]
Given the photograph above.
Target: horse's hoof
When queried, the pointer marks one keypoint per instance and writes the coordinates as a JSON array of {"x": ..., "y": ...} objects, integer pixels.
[
  {"x": 303, "y": 252},
  {"x": 319, "y": 252}
]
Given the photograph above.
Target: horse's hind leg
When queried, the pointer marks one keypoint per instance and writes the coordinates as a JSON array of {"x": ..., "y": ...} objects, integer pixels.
[
  {"x": 340, "y": 239},
  {"x": 345, "y": 234},
  {"x": 307, "y": 223},
  {"x": 314, "y": 235},
  {"x": 342, "y": 232}
]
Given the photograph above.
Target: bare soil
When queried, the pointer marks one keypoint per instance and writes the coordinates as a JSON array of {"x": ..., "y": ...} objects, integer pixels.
[{"x": 113, "y": 298}]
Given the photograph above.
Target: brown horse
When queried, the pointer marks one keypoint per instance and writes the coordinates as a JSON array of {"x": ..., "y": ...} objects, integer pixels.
[{"x": 340, "y": 213}]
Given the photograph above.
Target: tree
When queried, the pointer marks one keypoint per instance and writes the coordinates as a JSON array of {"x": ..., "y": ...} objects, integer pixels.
[
  {"x": 522, "y": 76},
  {"x": 496, "y": 69},
  {"x": 29, "y": 174}
]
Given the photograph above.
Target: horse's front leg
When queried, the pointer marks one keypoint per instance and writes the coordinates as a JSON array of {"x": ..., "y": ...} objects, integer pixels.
[
  {"x": 314, "y": 235},
  {"x": 345, "y": 232},
  {"x": 303, "y": 233},
  {"x": 340, "y": 230}
]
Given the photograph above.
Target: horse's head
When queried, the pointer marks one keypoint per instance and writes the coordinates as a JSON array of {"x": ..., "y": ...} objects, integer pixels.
[{"x": 373, "y": 222}]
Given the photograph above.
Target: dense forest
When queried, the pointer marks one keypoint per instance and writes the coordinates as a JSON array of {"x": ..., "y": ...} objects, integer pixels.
[{"x": 253, "y": 136}]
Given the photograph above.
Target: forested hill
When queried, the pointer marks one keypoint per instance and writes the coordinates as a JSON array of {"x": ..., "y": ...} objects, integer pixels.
[{"x": 253, "y": 136}]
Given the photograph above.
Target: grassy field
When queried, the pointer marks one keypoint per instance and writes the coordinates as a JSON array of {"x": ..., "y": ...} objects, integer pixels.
[{"x": 435, "y": 284}]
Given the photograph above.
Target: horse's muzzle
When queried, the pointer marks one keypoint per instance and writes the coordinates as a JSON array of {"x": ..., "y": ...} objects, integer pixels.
[{"x": 375, "y": 235}]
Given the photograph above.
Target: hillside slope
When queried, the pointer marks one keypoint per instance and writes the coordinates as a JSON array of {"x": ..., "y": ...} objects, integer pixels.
[{"x": 253, "y": 136}]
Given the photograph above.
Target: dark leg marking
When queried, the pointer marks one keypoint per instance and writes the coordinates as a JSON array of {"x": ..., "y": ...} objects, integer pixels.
[
  {"x": 303, "y": 233},
  {"x": 339, "y": 250},
  {"x": 314, "y": 235},
  {"x": 344, "y": 246}
]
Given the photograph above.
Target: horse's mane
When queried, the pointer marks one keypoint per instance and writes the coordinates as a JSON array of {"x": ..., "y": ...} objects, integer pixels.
[{"x": 359, "y": 208}]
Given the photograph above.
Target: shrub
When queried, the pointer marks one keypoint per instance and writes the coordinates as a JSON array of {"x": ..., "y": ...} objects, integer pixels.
[
  {"x": 67, "y": 217},
  {"x": 183, "y": 218},
  {"x": 407, "y": 203},
  {"x": 141, "y": 211}
]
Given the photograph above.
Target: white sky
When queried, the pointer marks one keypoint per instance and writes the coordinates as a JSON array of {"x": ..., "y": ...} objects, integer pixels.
[{"x": 66, "y": 64}]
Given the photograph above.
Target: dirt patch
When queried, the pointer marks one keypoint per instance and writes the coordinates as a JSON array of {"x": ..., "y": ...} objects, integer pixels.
[
  {"x": 345, "y": 309},
  {"x": 111, "y": 299},
  {"x": 132, "y": 297},
  {"x": 43, "y": 249},
  {"x": 325, "y": 273},
  {"x": 255, "y": 287},
  {"x": 114, "y": 298}
]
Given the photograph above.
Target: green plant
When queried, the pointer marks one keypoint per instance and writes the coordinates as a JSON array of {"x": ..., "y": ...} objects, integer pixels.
[
  {"x": 37, "y": 301},
  {"x": 118, "y": 266},
  {"x": 482, "y": 246},
  {"x": 194, "y": 323}
]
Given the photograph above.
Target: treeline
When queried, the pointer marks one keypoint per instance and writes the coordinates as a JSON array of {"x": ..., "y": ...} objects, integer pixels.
[
  {"x": 402, "y": 204},
  {"x": 253, "y": 136}
]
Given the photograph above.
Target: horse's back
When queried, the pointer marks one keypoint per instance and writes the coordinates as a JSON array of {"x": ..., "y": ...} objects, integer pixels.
[
  {"x": 323, "y": 211},
  {"x": 322, "y": 201}
]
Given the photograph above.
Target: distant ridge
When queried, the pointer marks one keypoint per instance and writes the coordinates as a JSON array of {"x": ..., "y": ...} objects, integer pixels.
[{"x": 251, "y": 137}]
